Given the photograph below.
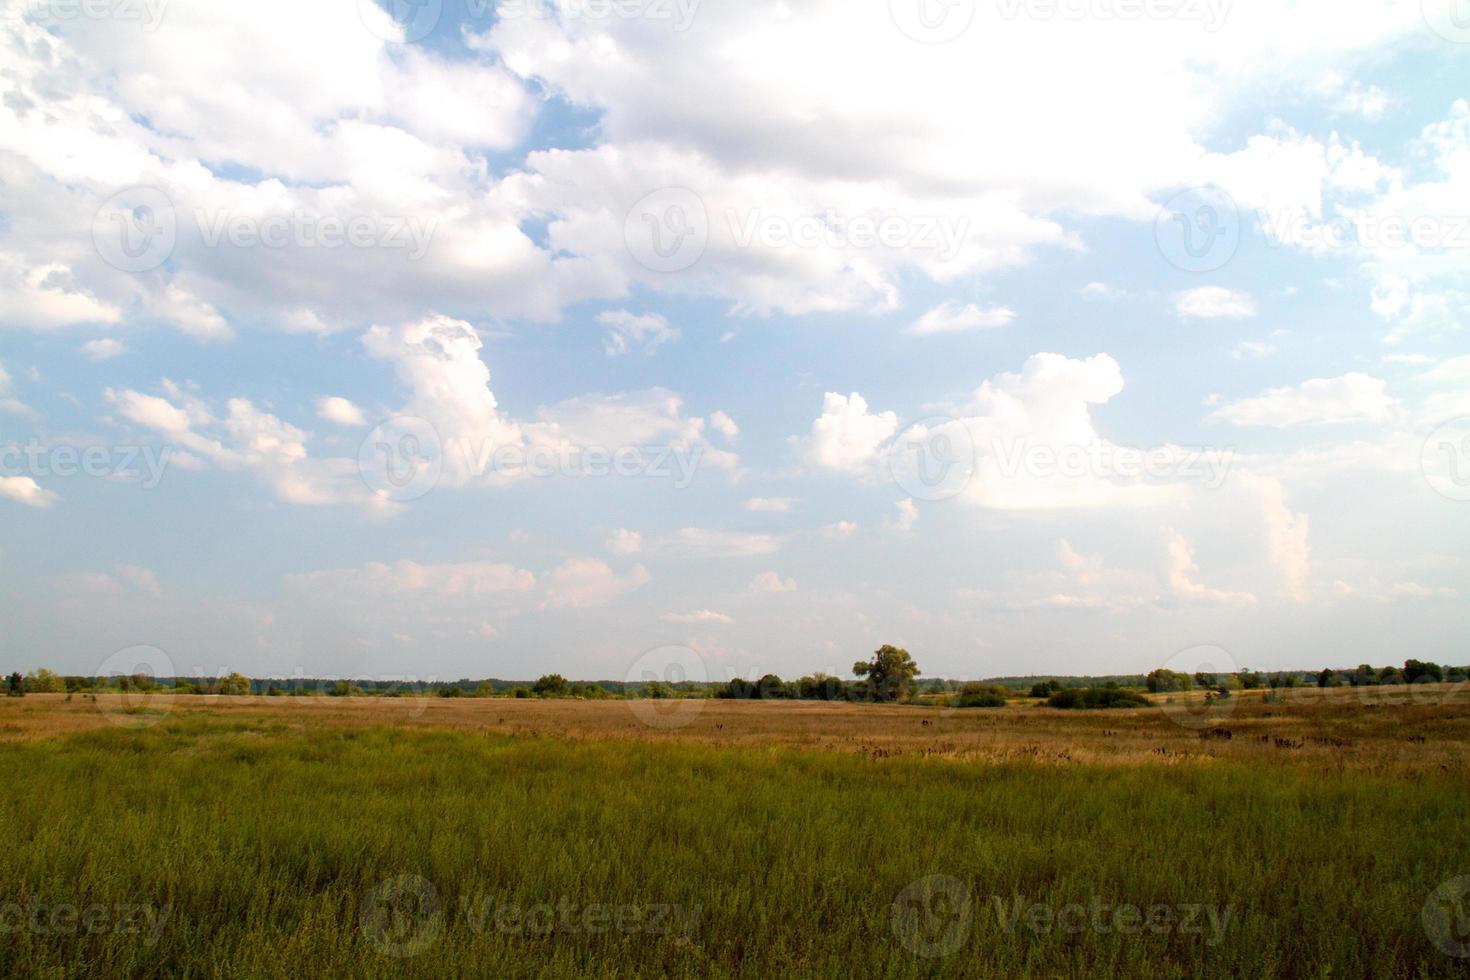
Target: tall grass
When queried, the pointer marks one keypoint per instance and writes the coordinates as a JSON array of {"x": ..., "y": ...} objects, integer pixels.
[{"x": 265, "y": 841}]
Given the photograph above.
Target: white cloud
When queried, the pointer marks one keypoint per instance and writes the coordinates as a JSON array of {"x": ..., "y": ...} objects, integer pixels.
[
  {"x": 1215, "y": 302},
  {"x": 703, "y": 616},
  {"x": 770, "y": 505},
  {"x": 584, "y": 583},
  {"x": 847, "y": 437},
  {"x": 104, "y": 349},
  {"x": 625, "y": 542},
  {"x": 1182, "y": 567},
  {"x": 1321, "y": 401},
  {"x": 954, "y": 318},
  {"x": 772, "y": 582},
  {"x": 907, "y": 517},
  {"x": 1286, "y": 538},
  {"x": 26, "y": 491},
  {"x": 724, "y": 425},
  {"x": 8, "y": 402},
  {"x": 624, "y": 331},
  {"x": 702, "y": 542},
  {"x": 406, "y": 577},
  {"x": 339, "y": 411}
]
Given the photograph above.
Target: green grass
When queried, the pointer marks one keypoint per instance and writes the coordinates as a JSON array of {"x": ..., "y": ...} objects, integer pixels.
[{"x": 264, "y": 841}]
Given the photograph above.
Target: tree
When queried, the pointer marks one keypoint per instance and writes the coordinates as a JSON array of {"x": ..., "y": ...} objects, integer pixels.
[
  {"x": 1249, "y": 679},
  {"x": 1326, "y": 678},
  {"x": 236, "y": 685},
  {"x": 1163, "y": 680},
  {"x": 890, "y": 674},
  {"x": 43, "y": 681},
  {"x": 550, "y": 686},
  {"x": 16, "y": 687},
  {"x": 1044, "y": 689},
  {"x": 1419, "y": 672}
]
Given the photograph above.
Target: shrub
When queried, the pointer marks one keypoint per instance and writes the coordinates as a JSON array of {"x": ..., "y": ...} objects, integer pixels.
[
  {"x": 550, "y": 686},
  {"x": 43, "y": 681},
  {"x": 975, "y": 695},
  {"x": 1163, "y": 680},
  {"x": 1097, "y": 697},
  {"x": 1045, "y": 689}
]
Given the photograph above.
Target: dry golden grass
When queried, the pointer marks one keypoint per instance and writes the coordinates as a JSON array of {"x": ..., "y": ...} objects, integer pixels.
[{"x": 1388, "y": 730}]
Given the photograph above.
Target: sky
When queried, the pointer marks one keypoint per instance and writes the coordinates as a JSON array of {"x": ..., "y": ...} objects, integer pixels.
[{"x": 452, "y": 339}]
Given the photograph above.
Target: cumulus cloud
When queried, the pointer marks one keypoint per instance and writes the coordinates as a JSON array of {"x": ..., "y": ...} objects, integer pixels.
[
  {"x": 772, "y": 582},
  {"x": 339, "y": 411},
  {"x": 1182, "y": 568},
  {"x": 104, "y": 349},
  {"x": 1352, "y": 397},
  {"x": 1214, "y": 303},
  {"x": 701, "y": 616},
  {"x": 847, "y": 437},
  {"x": 954, "y": 318},
  {"x": 584, "y": 583},
  {"x": 624, "y": 331},
  {"x": 27, "y": 491}
]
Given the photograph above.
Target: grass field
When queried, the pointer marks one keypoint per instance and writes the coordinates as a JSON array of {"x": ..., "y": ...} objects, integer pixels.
[{"x": 354, "y": 837}]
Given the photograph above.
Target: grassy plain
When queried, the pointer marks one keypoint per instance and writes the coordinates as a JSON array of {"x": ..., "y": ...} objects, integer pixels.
[{"x": 366, "y": 837}]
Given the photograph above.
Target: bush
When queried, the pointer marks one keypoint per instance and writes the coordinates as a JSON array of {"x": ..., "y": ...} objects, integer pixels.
[
  {"x": 43, "y": 681},
  {"x": 1044, "y": 689},
  {"x": 1088, "y": 698},
  {"x": 550, "y": 686},
  {"x": 1163, "y": 680},
  {"x": 981, "y": 696}
]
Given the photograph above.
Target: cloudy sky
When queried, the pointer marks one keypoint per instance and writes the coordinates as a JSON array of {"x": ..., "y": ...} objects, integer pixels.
[{"x": 453, "y": 340}]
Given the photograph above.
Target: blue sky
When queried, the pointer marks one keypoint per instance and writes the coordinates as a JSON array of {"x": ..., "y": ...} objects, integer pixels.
[{"x": 1271, "y": 443}]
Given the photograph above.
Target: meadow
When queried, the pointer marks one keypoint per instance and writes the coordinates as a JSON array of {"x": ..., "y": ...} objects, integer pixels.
[{"x": 216, "y": 836}]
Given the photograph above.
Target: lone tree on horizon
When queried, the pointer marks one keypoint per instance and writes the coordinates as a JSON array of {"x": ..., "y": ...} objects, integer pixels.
[{"x": 890, "y": 673}]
